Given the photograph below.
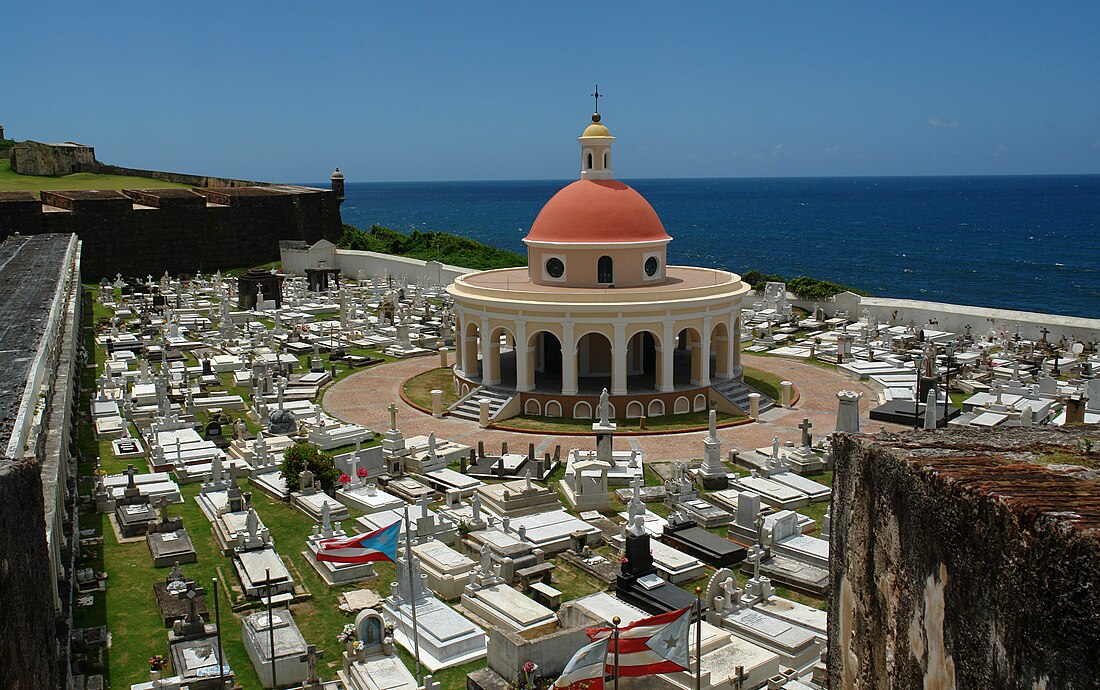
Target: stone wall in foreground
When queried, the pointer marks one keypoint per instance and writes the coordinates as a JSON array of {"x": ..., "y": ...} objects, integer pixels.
[
  {"x": 958, "y": 563},
  {"x": 29, "y": 653}
]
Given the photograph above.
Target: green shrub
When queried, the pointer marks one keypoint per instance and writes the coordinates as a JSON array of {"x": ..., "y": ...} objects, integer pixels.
[
  {"x": 812, "y": 288},
  {"x": 430, "y": 246},
  {"x": 758, "y": 280},
  {"x": 302, "y": 455}
]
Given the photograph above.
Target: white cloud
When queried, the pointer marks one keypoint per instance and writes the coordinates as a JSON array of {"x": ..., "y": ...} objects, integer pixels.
[{"x": 940, "y": 124}]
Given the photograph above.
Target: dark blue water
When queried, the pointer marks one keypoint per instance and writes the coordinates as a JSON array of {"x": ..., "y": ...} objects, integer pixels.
[{"x": 1027, "y": 242}]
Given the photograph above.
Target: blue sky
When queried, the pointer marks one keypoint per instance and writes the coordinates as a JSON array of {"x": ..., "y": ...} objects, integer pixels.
[{"x": 470, "y": 90}]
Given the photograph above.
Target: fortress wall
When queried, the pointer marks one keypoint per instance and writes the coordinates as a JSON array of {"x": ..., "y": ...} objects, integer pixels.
[
  {"x": 179, "y": 236},
  {"x": 181, "y": 178},
  {"x": 957, "y": 562}
]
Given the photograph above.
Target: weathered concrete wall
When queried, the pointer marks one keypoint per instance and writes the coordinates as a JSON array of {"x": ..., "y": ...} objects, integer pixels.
[
  {"x": 957, "y": 563},
  {"x": 28, "y": 642},
  {"x": 36, "y": 158}
]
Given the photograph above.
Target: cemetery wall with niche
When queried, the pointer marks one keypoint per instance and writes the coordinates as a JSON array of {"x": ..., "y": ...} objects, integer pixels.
[
  {"x": 140, "y": 232},
  {"x": 957, "y": 561}
]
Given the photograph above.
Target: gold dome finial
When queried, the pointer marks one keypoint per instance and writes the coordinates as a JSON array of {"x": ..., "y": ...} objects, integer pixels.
[{"x": 596, "y": 94}]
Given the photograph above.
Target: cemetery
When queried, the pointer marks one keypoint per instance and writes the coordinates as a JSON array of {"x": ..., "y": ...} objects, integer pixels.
[
  {"x": 499, "y": 542},
  {"x": 259, "y": 430}
]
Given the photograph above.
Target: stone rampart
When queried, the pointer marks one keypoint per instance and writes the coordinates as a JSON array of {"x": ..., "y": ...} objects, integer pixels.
[
  {"x": 961, "y": 559},
  {"x": 140, "y": 232}
]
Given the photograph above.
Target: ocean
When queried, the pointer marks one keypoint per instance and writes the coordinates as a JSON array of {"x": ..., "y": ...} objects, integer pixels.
[{"x": 1014, "y": 242}]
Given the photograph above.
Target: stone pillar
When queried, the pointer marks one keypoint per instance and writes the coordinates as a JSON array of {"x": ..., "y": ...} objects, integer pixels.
[
  {"x": 754, "y": 405},
  {"x": 443, "y": 362},
  {"x": 931, "y": 410},
  {"x": 668, "y": 346},
  {"x": 704, "y": 353},
  {"x": 568, "y": 359},
  {"x": 695, "y": 347},
  {"x": 847, "y": 414},
  {"x": 483, "y": 412},
  {"x": 722, "y": 360},
  {"x": 737, "y": 345},
  {"x": 787, "y": 393},
  {"x": 437, "y": 403},
  {"x": 460, "y": 336},
  {"x": 618, "y": 360},
  {"x": 490, "y": 355},
  {"x": 524, "y": 380}
]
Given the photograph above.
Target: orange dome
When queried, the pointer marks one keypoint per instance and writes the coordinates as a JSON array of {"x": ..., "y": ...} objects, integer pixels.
[{"x": 597, "y": 211}]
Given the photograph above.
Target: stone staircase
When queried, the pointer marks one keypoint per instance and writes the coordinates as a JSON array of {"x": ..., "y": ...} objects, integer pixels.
[
  {"x": 737, "y": 392},
  {"x": 468, "y": 406}
]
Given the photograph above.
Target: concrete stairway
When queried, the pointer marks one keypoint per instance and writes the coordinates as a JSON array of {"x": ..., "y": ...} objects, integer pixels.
[
  {"x": 468, "y": 406},
  {"x": 737, "y": 392}
]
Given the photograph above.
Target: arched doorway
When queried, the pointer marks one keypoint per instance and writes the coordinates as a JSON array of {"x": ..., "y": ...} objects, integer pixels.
[
  {"x": 642, "y": 362},
  {"x": 721, "y": 352},
  {"x": 544, "y": 364},
  {"x": 687, "y": 359},
  {"x": 503, "y": 351},
  {"x": 594, "y": 363},
  {"x": 471, "y": 344}
]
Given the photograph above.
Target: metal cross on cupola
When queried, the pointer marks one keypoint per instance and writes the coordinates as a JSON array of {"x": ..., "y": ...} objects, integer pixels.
[{"x": 596, "y": 94}]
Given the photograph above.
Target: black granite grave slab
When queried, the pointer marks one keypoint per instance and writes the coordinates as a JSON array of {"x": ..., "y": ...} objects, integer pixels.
[
  {"x": 901, "y": 412},
  {"x": 639, "y": 585},
  {"x": 706, "y": 546}
]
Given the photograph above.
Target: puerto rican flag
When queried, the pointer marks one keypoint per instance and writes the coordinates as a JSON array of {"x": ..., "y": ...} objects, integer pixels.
[
  {"x": 379, "y": 545},
  {"x": 658, "y": 644},
  {"x": 585, "y": 670}
]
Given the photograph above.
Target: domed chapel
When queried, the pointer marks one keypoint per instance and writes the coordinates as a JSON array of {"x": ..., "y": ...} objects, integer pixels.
[{"x": 599, "y": 307}]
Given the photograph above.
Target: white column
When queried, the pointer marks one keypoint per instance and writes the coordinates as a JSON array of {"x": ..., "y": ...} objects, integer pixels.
[
  {"x": 460, "y": 342},
  {"x": 704, "y": 354},
  {"x": 618, "y": 360},
  {"x": 489, "y": 363},
  {"x": 523, "y": 354},
  {"x": 667, "y": 382},
  {"x": 735, "y": 324},
  {"x": 568, "y": 359}
]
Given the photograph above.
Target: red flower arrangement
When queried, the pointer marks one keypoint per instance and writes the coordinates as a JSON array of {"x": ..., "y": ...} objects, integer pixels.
[
  {"x": 344, "y": 478},
  {"x": 362, "y": 472}
]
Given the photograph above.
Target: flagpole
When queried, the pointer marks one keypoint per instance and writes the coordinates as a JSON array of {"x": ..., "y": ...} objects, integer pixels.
[
  {"x": 412, "y": 591},
  {"x": 615, "y": 622},
  {"x": 218, "y": 631},
  {"x": 270, "y": 629},
  {"x": 698, "y": 637}
]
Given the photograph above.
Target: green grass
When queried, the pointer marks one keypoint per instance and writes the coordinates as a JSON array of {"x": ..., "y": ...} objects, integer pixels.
[
  {"x": 419, "y": 388},
  {"x": 766, "y": 383},
  {"x": 11, "y": 181}
]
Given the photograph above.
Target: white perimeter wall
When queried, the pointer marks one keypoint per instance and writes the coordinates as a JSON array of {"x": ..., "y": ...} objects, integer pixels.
[
  {"x": 955, "y": 317},
  {"x": 948, "y": 317},
  {"x": 351, "y": 262}
]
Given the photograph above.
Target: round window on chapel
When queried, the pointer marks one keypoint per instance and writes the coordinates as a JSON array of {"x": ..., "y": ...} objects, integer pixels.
[
  {"x": 555, "y": 268},
  {"x": 651, "y": 266}
]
